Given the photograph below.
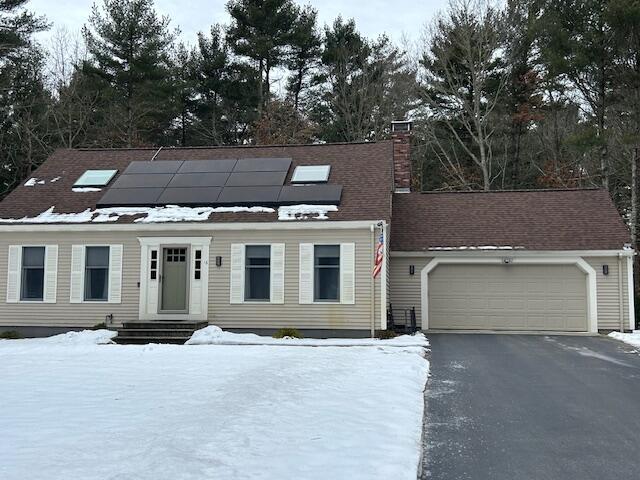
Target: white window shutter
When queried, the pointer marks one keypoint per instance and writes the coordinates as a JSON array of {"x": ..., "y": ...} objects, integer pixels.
[
  {"x": 306, "y": 273},
  {"x": 50, "y": 273},
  {"x": 77, "y": 274},
  {"x": 347, "y": 273},
  {"x": 115, "y": 273},
  {"x": 13, "y": 273},
  {"x": 237, "y": 273},
  {"x": 277, "y": 273}
]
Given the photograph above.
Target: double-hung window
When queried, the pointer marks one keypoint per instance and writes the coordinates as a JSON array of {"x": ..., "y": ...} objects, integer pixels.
[
  {"x": 326, "y": 266},
  {"x": 257, "y": 276},
  {"x": 96, "y": 274},
  {"x": 32, "y": 283}
]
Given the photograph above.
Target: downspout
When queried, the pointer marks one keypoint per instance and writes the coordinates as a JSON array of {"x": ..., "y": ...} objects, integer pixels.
[
  {"x": 620, "y": 295},
  {"x": 373, "y": 282}
]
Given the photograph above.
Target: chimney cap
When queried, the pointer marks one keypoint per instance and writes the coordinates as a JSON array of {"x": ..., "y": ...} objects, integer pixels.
[{"x": 401, "y": 125}]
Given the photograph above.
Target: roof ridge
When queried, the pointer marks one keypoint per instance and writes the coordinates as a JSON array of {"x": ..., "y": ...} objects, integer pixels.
[
  {"x": 224, "y": 147},
  {"x": 524, "y": 190}
]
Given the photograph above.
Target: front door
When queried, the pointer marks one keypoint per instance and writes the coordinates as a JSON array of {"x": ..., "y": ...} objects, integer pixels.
[{"x": 174, "y": 280}]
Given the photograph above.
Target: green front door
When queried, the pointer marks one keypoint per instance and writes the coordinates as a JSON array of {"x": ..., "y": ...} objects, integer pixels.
[{"x": 174, "y": 279}]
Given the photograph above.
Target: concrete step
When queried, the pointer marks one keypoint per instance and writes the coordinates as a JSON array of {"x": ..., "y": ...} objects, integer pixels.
[
  {"x": 155, "y": 332},
  {"x": 164, "y": 325},
  {"x": 129, "y": 340}
]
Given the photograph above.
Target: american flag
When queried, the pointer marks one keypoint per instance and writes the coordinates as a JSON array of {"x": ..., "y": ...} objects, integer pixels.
[{"x": 379, "y": 256}]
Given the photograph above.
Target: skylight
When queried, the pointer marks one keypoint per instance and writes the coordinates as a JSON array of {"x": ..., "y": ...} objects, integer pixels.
[
  {"x": 95, "y": 178},
  {"x": 311, "y": 173}
]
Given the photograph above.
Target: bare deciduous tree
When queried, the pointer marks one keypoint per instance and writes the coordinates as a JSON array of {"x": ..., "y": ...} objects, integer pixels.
[{"x": 463, "y": 83}]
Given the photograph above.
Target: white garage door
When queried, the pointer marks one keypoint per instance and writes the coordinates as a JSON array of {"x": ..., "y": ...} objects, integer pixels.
[{"x": 508, "y": 297}]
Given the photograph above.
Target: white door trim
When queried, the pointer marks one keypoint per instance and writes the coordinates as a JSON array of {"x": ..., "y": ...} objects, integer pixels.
[
  {"x": 592, "y": 303},
  {"x": 150, "y": 310}
]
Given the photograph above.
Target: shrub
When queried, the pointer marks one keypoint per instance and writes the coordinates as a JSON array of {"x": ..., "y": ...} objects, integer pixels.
[
  {"x": 288, "y": 333},
  {"x": 99, "y": 326},
  {"x": 385, "y": 334},
  {"x": 10, "y": 335}
]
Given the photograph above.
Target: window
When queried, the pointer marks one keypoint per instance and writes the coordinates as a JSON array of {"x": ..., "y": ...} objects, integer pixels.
[
  {"x": 32, "y": 287},
  {"x": 257, "y": 272},
  {"x": 95, "y": 178},
  {"x": 197, "y": 271},
  {"x": 311, "y": 173},
  {"x": 96, "y": 274},
  {"x": 154, "y": 265},
  {"x": 326, "y": 267}
]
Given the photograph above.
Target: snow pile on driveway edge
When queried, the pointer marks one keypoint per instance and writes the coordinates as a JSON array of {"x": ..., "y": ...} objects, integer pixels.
[
  {"x": 84, "y": 337},
  {"x": 213, "y": 335},
  {"x": 630, "y": 338}
]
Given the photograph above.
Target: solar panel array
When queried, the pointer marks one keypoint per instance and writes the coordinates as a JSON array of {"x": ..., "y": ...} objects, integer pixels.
[{"x": 238, "y": 182}]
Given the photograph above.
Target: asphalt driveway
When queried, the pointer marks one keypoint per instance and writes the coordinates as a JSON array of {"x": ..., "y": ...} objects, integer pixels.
[{"x": 532, "y": 407}]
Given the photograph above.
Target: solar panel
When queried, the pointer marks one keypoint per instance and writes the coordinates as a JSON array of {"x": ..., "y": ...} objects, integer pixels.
[
  {"x": 249, "y": 195},
  {"x": 143, "y": 181},
  {"x": 263, "y": 165},
  {"x": 130, "y": 196},
  {"x": 245, "y": 179},
  {"x": 95, "y": 178},
  {"x": 190, "y": 196},
  {"x": 206, "y": 166},
  {"x": 329, "y": 194},
  {"x": 164, "y": 166},
  {"x": 199, "y": 180}
]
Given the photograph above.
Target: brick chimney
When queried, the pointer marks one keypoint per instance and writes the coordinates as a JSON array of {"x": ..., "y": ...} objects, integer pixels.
[{"x": 401, "y": 136}]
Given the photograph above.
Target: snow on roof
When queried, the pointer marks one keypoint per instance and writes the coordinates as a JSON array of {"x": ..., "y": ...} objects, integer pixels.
[
  {"x": 170, "y": 213},
  {"x": 477, "y": 247},
  {"x": 302, "y": 212}
]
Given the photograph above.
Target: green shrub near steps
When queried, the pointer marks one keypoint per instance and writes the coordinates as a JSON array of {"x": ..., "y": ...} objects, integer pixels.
[
  {"x": 288, "y": 332},
  {"x": 10, "y": 335}
]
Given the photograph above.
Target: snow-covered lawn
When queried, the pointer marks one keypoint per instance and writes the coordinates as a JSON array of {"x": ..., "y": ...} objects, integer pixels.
[
  {"x": 630, "y": 338},
  {"x": 72, "y": 409}
]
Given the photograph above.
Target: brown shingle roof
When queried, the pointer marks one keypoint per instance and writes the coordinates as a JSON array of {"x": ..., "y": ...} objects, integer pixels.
[
  {"x": 535, "y": 220},
  {"x": 363, "y": 169}
]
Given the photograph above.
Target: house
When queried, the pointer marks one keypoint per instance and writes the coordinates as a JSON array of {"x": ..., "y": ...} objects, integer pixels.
[{"x": 258, "y": 238}]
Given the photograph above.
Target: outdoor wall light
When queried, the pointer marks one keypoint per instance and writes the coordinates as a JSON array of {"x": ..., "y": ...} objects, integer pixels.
[
  {"x": 412, "y": 269},
  {"x": 218, "y": 261},
  {"x": 605, "y": 269}
]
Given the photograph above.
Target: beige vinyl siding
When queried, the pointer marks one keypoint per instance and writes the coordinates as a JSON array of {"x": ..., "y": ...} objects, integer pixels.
[
  {"x": 221, "y": 312},
  {"x": 607, "y": 292},
  {"x": 63, "y": 313},
  {"x": 291, "y": 313},
  {"x": 405, "y": 289}
]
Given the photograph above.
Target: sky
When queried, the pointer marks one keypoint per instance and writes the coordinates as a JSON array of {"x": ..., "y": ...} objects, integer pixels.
[{"x": 397, "y": 18}]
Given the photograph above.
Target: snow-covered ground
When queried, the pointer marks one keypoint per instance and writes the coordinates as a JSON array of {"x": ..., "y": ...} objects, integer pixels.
[
  {"x": 630, "y": 338},
  {"x": 72, "y": 409},
  {"x": 213, "y": 335}
]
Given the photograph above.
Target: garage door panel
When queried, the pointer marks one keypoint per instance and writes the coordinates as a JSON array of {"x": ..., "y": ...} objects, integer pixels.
[{"x": 508, "y": 297}]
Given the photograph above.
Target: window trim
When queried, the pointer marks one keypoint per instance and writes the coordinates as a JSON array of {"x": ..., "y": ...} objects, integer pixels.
[
  {"x": 338, "y": 301},
  {"x": 84, "y": 275},
  {"x": 44, "y": 274},
  {"x": 244, "y": 274}
]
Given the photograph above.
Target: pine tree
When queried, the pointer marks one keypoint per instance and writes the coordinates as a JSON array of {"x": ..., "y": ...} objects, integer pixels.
[
  {"x": 226, "y": 104},
  {"x": 262, "y": 30},
  {"x": 306, "y": 46},
  {"x": 23, "y": 96},
  {"x": 130, "y": 48}
]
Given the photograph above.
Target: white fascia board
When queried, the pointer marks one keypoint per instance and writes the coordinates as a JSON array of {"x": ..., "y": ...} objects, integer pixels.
[
  {"x": 514, "y": 253},
  {"x": 177, "y": 227},
  {"x": 631, "y": 295}
]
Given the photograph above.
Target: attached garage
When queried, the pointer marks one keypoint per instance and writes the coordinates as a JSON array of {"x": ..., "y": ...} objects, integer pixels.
[
  {"x": 519, "y": 261},
  {"x": 508, "y": 297}
]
